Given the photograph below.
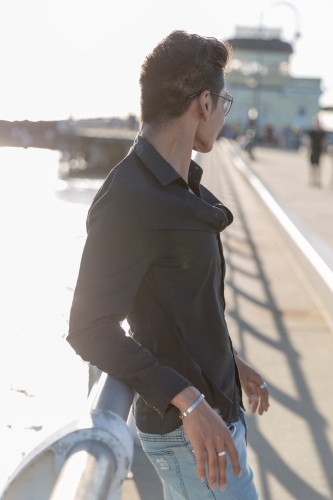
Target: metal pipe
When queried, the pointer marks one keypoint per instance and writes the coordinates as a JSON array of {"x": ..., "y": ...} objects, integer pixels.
[
  {"x": 91, "y": 467},
  {"x": 113, "y": 395},
  {"x": 87, "y": 473}
]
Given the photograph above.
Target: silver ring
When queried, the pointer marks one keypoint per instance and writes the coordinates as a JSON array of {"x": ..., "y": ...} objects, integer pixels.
[
  {"x": 262, "y": 386},
  {"x": 221, "y": 453}
]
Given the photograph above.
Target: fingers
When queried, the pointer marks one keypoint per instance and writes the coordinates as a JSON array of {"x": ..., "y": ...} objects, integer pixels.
[
  {"x": 253, "y": 386},
  {"x": 222, "y": 471},
  {"x": 264, "y": 400},
  {"x": 212, "y": 463},
  {"x": 200, "y": 456},
  {"x": 259, "y": 398},
  {"x": 209, "y": 436},
  {"x": 234, "y": 458},
  {"x": 217, "y": 465},
  {"x": 254, "y": 401}
]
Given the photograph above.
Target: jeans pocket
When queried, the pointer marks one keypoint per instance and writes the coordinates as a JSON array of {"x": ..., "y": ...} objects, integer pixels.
[
  {"x": 243, "y": 421},
  {"x": 233, "y": 428}
]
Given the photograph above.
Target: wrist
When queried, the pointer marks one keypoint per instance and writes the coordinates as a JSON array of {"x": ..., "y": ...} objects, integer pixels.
[
  {"x": 185, "y": 398},
  {"x": 192, "y": 407}
]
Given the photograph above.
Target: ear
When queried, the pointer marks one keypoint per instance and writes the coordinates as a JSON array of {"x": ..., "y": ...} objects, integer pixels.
[{"x": 205, "y": 103}]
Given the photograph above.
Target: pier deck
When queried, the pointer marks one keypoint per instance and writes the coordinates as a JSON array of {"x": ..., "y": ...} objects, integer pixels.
[{"x": 277, "y": 326}]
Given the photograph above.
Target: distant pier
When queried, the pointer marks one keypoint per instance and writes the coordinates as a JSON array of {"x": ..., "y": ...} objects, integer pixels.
[{"x": 83, "y": 146}]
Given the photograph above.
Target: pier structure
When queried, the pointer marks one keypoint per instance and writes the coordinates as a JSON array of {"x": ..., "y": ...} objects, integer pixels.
[
  {"x": 278, "y": 291},
  {"x": 83, "y": 147}
]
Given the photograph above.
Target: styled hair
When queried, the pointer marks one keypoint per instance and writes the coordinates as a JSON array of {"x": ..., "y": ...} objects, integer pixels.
[{"x": 179, "y": 66}]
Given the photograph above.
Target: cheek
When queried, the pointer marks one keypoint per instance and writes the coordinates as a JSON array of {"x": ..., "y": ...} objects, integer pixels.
[
  {"x": 219, "y": 123},
  {"x": 219, "y": 118}
]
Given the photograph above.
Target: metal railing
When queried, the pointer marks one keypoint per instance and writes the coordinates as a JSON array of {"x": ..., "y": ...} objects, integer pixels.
[
  {"x": 90, "y": 470},
  {"x": 90, "y": 458}
]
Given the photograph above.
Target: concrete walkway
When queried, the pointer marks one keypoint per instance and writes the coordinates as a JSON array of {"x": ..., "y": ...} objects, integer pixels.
[
  {"x": 276, "y": 326},
  {"x": 287, "y": 174}
]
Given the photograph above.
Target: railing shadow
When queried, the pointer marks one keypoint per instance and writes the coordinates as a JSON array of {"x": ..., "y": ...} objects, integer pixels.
[{"x": 271, "y": 463}]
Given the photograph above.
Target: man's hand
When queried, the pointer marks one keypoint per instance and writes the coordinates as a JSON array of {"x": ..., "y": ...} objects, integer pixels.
[
  {"x": 251, "y": 380},
  {"x": 208, "y": 435}
]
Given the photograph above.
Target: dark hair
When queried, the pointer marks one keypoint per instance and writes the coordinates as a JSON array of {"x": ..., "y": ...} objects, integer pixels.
[{"x": 179, "y": 66}]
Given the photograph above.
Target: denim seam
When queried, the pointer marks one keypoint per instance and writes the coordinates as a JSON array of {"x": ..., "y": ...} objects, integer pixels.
[
  {"x": 242, "y": 419},
  {"x": 210, "y": 491},
  {"x": 159, "y": 439},
  {"x": 189, "y": 448},
  {"x": 193, "y": 455}
]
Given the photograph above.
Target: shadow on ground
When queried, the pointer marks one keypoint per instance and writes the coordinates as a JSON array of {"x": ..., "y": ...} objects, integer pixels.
[{"x": 270, "y": 462}]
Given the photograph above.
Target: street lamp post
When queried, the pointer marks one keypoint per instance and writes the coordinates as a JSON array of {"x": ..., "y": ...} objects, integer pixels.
[
  {"x": 256, "y": 102},
  {"x": 279, "y": 3}
]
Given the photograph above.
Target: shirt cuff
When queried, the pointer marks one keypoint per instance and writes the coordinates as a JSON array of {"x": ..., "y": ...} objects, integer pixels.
[{"x": 164, "y": 388}]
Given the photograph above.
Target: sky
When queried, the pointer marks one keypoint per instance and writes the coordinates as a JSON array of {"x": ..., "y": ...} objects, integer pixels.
[{"x": 82, "y": 58}]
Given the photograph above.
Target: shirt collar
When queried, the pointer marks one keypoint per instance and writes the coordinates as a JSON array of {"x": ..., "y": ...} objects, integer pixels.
[{"x": 159, "y": 167}]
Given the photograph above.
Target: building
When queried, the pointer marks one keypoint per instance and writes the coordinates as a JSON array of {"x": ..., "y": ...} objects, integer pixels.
[{"x": 265, "y": 95}]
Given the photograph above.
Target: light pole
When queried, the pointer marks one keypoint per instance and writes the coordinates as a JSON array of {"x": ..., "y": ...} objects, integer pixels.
[
  {"x": 279, "y": 3},
  {"x": 256, "y": 101}
]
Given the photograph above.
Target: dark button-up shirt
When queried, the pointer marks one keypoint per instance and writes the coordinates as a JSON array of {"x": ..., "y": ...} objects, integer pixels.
[{"x": 153, "y": 255}]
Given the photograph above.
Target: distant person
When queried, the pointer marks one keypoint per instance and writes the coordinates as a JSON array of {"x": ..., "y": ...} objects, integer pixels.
[
  {"x": 285, "y": 137},
  {"x": 317, "y": 145},
  {"x": 153, "y": 255},
  {"x": 269, "y": 136},
  {"x": 297, "y": 137}
]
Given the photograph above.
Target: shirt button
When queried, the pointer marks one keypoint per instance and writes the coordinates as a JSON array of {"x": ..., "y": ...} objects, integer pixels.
[{"x": 224, "y": 223}]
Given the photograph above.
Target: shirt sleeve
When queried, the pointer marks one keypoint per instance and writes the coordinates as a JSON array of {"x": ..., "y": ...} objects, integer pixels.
[{"x": 116, "y": 257}]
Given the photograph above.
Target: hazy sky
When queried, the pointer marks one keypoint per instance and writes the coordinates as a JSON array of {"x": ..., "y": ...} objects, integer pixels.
[{"x": 83, "y": 57}]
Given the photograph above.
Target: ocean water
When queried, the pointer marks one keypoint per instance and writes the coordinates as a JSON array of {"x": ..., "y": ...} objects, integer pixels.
[{"x": 43, "y": 384}]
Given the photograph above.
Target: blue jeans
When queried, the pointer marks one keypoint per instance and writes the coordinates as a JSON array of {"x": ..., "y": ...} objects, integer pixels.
[{"x": 174, "y": 460}]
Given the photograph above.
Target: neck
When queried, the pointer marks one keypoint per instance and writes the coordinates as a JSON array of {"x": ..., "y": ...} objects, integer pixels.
[{"x": 174, "y": 142}]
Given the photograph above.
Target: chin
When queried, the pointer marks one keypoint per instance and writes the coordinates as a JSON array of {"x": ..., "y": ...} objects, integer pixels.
[
  {"x": 207, "y": 148},
  {"x": 203, "y": 148}
]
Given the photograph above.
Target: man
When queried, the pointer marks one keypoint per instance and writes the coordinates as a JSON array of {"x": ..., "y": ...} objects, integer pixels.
[
  {"x": 317, "y": 145},
  {"x": 154, "y": 256}
]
